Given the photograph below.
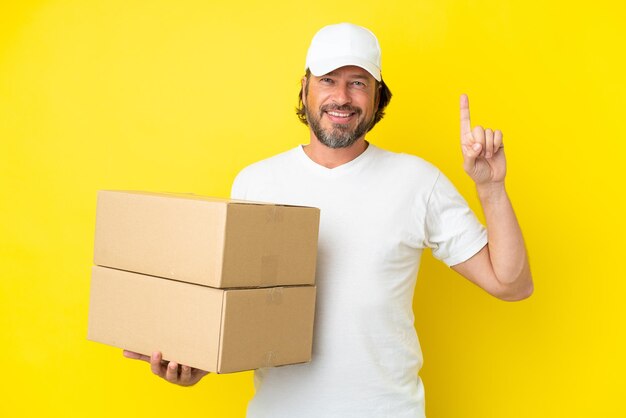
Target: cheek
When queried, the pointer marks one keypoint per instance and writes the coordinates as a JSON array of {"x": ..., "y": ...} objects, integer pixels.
[
  {"x": 369, "y": 106},
  {"x": 365, "y": 99}
]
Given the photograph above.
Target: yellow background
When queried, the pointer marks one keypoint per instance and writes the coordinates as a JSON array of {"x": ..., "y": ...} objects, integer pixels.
[{"x": 180, "y": 95}]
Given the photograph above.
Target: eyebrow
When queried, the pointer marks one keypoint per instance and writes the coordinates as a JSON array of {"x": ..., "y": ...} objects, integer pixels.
[{"x": 354, "y": 75}]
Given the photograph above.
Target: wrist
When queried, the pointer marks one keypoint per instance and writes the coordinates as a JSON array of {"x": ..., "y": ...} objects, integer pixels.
[{"x": 492, "y": 191}]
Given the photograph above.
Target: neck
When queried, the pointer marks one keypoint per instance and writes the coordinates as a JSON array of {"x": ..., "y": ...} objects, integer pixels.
[{"x": 334, "y": 157}]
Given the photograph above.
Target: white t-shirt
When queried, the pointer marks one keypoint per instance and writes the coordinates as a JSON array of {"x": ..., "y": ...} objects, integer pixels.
[{"x": 378, "y": 212}]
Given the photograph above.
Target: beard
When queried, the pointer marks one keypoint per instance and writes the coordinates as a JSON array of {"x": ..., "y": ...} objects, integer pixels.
[{"x": 340, "y": 135}]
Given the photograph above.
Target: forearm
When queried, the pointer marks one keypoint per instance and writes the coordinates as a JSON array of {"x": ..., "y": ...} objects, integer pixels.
[{"x": 507, "y": 251}]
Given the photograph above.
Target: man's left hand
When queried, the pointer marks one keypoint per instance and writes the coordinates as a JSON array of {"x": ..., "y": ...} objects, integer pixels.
[{"x": 483, "y": 151}]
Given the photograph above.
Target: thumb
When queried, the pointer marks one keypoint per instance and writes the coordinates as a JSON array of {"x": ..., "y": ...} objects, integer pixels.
[{"x": 470, "y": 153}]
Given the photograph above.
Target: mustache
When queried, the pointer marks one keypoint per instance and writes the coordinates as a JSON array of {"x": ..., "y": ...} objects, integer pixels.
[{"x": 342, "y": 108}]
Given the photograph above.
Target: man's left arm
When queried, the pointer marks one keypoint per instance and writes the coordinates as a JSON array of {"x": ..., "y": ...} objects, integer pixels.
[{"x": 501, "y": 268}]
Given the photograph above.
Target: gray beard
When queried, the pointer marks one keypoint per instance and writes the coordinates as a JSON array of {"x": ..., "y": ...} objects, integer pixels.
[{"x": 340, "y": 136}]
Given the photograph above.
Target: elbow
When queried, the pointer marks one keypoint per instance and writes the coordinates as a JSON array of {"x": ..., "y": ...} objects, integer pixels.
[
  {"x": 518, "y": 294},
  {"x": 520, "y": 288}
]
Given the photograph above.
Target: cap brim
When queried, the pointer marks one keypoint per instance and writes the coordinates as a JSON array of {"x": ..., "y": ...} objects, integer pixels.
[{"x": 318, "y": 69}]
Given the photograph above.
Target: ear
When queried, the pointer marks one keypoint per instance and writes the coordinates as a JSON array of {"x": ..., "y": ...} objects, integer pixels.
[{"x": 303, "y": 84}]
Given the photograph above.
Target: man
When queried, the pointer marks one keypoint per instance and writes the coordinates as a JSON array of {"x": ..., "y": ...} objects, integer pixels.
[{"x": 379, "y": 210}]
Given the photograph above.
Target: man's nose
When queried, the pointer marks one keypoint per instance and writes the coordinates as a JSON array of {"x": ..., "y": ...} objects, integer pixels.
[{"x": 341, "y": 94}]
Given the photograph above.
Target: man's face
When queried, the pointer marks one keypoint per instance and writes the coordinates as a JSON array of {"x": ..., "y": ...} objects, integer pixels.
[{"x": 340, "y": 105}]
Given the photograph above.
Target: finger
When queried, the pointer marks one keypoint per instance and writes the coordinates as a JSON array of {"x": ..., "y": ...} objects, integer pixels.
[
  {"x": 470, "y": 153},
  {"x": 489, "y": 149},
  {"x": 155, "y": 364},
  {"x": 478, "y": 133},
  {"x": 497, "y": 140},
  {"x": 135, "y": 356},
  {"x": 171, "y": 373},
  {"x": 466, "y": 125},
  {"x": 185, "y": 375}
]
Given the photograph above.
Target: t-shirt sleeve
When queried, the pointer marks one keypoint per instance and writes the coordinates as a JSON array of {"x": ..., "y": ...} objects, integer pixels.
[{"x": 452, "y": 230}]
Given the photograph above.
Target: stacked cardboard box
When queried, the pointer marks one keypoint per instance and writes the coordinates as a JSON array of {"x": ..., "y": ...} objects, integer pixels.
[{"x": 220, "y": 285}]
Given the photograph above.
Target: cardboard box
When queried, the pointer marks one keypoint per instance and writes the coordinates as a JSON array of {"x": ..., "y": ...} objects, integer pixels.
[
  {"x": 215, "y": 242},
  {"x": 218, "y": 330}
]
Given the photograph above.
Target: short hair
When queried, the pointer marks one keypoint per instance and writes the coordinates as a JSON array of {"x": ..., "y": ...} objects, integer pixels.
[{"x": 382, "y": 92}]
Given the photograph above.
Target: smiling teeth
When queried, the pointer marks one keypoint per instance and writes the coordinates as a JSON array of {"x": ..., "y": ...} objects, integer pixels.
[{"x": 339, "y": 115}]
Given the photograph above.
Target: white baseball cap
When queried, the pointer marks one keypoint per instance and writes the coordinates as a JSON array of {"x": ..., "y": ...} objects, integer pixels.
[{"x": 343, "y": 44}]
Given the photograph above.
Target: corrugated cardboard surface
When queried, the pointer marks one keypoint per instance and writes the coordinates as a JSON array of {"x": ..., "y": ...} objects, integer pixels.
[
  {"x": 283, "y": 240},
  {"x": 211, "y": 329},
  {"x": 267, "y": 327},
  {"x": 205, "y": 240},
  {"x": 145, "y": 314}
]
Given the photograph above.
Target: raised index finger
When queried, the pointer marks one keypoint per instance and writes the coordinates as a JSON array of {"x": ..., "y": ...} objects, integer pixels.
[{"x": 466, "y": 125}]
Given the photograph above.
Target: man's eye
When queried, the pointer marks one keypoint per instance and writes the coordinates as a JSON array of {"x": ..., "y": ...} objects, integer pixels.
[
  {"x": 358, "y": 83},
  {"x": 326, "y": 80}
]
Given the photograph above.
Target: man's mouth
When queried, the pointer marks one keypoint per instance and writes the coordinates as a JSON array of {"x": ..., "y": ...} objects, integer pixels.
[{"x": 340, "y": 116}]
